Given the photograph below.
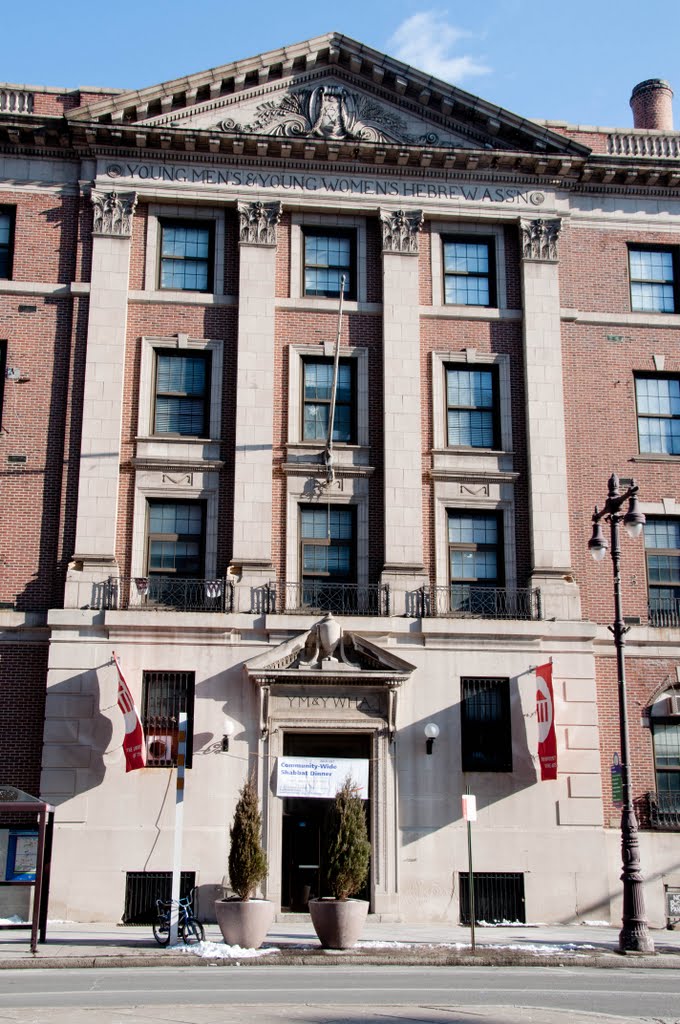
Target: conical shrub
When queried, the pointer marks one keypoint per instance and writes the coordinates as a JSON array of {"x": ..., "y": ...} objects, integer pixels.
[
  {"x": 247, "y": 859},
  {"x": 348, "y": 845}
]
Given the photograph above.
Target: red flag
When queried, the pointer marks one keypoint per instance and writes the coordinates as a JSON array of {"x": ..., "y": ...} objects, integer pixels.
[
  {"x": 545, "y": 714},
  {"x": 133, "y": 741}
]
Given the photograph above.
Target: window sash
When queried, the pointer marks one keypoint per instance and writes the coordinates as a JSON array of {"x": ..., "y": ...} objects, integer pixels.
[
  {"x": 475, "y": 548},
  {"x": 327, "y": 256},
  {"x": 186, "y": 256},
  {"x": 652, "y": 280},
  {"x": 182, "y": 389},
  {"x": 6, "y": 243},
  {"x": 469, "y": 272},
  {"x": 317, "y": 397},
  {"x": 327, "y": 544},
  {"x": 658, "y": 411},
  {"x": 176, "y": 538},
  {"x": 471, "y": 408}
]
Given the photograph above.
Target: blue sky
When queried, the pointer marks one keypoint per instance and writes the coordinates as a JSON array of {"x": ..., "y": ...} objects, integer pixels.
[{"x": 575, "y": 61}]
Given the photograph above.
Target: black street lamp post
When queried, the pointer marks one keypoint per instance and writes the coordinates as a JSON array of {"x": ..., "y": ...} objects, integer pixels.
[{"x": 634, "y": 936}]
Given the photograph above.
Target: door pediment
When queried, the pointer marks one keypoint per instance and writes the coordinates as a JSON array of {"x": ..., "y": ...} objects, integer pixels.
[{"x": 327, "y": 655}]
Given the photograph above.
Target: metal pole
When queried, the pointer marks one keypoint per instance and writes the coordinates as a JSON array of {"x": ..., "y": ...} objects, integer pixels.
[
  {"x": 471, "y": 878},
  {"x": 634, "y": 936},
  {"x": 179, "y": 826}
]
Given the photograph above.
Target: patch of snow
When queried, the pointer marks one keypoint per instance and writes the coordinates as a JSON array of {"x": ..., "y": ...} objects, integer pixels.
[
  {"x": 220, "y": 951},
  {"x": 393, "y": 944},
  {"x": 547, "y": 950},
  {"x": 597, "y": 924},
  {"x": 14, "y": 919}
]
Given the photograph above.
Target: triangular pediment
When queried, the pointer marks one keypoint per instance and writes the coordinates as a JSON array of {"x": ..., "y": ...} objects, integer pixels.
[
  {"x": 329, "y": 89},
  {"x": 352, "y": 657}
]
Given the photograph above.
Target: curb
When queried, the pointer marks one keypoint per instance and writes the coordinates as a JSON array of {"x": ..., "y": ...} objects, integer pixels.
[{"x": 418, "y": 957}]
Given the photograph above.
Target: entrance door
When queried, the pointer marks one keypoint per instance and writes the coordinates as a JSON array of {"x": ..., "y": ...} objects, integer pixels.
[{"x": 302, "y": 869}]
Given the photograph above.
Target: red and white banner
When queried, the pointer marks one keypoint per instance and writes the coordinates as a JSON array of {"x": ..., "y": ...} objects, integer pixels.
[
  {"x": 545, "y": 715},
  {"x": 133, "y": 741}
]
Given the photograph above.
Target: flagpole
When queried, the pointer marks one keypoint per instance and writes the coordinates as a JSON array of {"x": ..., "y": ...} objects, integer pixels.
[
  {"x": 179, "y": 826},
  {"x": 336, "y": 364}
]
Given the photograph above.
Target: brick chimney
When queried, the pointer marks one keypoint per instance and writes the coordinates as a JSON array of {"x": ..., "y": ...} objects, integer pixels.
[{"x": 652, "y": 105}]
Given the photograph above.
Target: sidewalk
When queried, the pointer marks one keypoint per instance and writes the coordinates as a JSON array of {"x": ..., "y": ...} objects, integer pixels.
[{"x": 294, "y": 941}]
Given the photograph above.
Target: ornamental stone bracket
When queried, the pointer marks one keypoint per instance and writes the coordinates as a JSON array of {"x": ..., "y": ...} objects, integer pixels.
[
  {"x": 113, "y": 213},
  {"x": 400, "y": 229},
  {"x": 258, "y": 221},
  {"x": 539, "y": 239}
]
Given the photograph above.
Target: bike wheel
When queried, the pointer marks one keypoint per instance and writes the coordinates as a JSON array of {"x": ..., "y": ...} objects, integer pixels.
[
  {"x": 192, "y": 931},
  {"x": 161, "y": 932}
]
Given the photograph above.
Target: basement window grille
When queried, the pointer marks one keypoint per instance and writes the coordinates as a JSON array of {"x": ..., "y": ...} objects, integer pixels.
[
  {"x": 499, "y": 897},
  {"x": 143, "y": 888}
]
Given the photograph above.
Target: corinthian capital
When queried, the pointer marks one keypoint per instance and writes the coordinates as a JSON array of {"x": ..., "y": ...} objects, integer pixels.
[
  {"x": 113, "y": 212},
  {"x": 400, "y": 230},
  {"x": 257, "y": 222},
  {"x": 539, "y": 239}
]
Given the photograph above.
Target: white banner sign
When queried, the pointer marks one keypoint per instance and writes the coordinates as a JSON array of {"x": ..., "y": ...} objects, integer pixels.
[{"x": 320, "y": 776}]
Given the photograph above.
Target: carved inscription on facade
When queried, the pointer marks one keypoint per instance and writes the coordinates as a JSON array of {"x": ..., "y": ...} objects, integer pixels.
[
  {"x": 325, "y": 184},
  {"x": 372, "y": 704}
]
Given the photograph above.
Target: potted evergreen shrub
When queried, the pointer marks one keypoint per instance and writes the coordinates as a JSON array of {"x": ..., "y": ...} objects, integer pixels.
[
  {"x": 338, "y": 919},
  {"x": 244, "y": 921}
]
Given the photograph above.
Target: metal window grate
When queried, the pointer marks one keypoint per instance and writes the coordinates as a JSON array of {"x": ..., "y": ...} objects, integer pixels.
[
  {"x": 486, "y": 739},
  {"x": 143, "y": 888},
  {"x": 165, "y": 695},
  {"x": 499, "y": 897}
]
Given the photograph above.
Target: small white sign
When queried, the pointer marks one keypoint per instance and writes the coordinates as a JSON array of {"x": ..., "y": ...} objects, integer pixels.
[
  {"x": 320, "y": 777},
  {"x": 469, "y": 807}
]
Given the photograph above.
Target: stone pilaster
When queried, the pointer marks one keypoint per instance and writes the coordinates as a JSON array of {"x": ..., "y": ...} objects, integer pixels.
[
  {"x": 255, "y": 394},
  {"x": 95, "y": 548},
  {"x": 548, "y": 501},
  {"x": 403, "y": 568}
]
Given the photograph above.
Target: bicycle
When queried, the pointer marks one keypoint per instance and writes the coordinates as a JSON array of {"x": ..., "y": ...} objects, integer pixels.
[{"x": 188, "y": 928}]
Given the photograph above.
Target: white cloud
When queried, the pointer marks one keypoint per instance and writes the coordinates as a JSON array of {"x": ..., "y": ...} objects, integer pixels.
[{"x": 426, "y": 41}]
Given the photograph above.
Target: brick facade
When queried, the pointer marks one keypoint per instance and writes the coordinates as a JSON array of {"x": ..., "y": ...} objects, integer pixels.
[{"x": 474, "y": 183}]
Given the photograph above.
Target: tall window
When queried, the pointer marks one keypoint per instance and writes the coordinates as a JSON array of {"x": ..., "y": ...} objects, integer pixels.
[
  {"x": 182, "y": 389},
  {"x": 486, "y": 738},
  {"x": 328, "y": 255},
  {"x": 318, "y": 393},
  {"x": 186, "y": 256},
  {"x": 658, "y": 414},
  {"x": 662, "y": 544},
  {"x": 469, "y": 270},
  {"x": 327, "y": 542},
  {"x": 176, "y": 538},
  {"x": 472, "y": 407},
  {"x": 475, "y": 561},
  {"x": 6, "y": 241},
  {"x": 653, "y": 279},
  {"x": 164, "y": 696}
]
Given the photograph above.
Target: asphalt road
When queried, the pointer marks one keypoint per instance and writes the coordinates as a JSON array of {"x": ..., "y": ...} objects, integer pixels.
[{"x": 340, "y": 994}]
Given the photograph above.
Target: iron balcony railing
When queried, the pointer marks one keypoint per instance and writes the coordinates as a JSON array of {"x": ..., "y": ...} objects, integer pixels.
[
  {"x": 168, "y": 593},
  {"x": 664, "y": 811},
  {"x": 461, "y": 600},
  {"x": 665, "y": 613},
  {"x": 340, "y": 598}
]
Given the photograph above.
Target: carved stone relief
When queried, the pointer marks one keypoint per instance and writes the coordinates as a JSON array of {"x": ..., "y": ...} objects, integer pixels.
[
  {"x": 539, "y": 239},
  {"x": 257, "y": 222},
  {"x": 400, "y": 230},
  {"x": 113, "y": 212},
  {"x": 333, "y": 113}
]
